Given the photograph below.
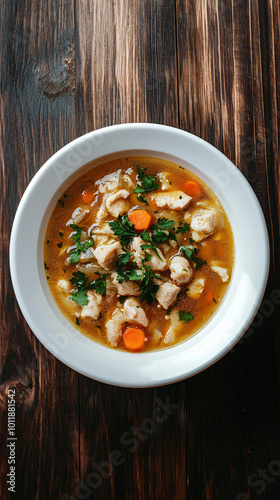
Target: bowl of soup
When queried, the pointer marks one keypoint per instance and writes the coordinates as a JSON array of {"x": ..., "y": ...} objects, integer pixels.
[{"x": 135, "y": 255}]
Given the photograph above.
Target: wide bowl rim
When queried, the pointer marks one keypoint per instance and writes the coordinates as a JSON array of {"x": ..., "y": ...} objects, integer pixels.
[{"x": 154, "y": 371}]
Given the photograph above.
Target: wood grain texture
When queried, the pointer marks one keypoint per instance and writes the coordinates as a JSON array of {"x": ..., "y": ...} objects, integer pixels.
[
  {"x": 37, "y": 114},
  {"x": 209, "y": 67}
]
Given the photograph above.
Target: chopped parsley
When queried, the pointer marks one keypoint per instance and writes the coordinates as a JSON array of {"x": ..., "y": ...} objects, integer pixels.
[
  {"x": 82, "y": 285},
  {"x": 59, "y": 245},
  {"x": 191, "y": 240},
  {"x": 185, "y": 316},
  {"x": 182, "y": 228},
  {"x": 80, "y": 247},
  {"x": 215, "y": 301},
  {"x": 161, "y": 232},
  {"x": 190, "y": 253},
  {"x": 123, "y": 229},
  {"x": 45, "y": 266},
  {"x": 165, "y": 223},
  {"x": 60, "y": 234},
  {"x": 148, "y": 182},
  {"x": 124, "y": 258},
  {"x": 143, "y": 199},
  {"x": 151, "y": 245},
  {"x": 133, "y": 275},
  {"x": 148, "y": 288},
  {"x": 77, "y": 321}
]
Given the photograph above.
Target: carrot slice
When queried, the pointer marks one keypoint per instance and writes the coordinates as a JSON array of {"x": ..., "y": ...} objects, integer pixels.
[
  {"x": 134, "y": 339},
  {"x": 208, "y": 297},
  {"x": 141, "y": 219},
  {"x": 192, "y": 189},
  {"x": 87, "y": 196}
]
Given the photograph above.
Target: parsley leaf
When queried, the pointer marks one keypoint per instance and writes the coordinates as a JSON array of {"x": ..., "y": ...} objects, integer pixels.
[
  {"x": 124, "y": 258},
  {"x": 80, "y": 296},
  {"x": 148, "y": 288},
  {"x": 183, "y": 228},
  {"x": 190, "y": 253},
  {"x": 123, "y": 229},
  {"x": 144, "y": 235},
  {"x": 133, "y": 275},
  {"x": 185, "y": 316},
  {"x": 158, "y": 235},
  {"x": 79, "y": 280},
  {"x": 199, "y": 262},
  {"x": 99, "y": 285},
  {"x": 143, "y": 199},
  {"x": 80, "y": 247},
  {"x": 165, "y": 223},
  {"x": 148, "y": 182}
]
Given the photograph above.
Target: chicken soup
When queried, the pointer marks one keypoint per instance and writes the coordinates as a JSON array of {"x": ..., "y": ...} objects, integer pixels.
[{"x": 138, "y": 253}]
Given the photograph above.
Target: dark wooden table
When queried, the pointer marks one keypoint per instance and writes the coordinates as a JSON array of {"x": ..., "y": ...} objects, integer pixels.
[{"x": 207, "y": 66}]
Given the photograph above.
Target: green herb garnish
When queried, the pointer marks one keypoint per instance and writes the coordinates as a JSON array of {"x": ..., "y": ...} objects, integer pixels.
[
  {"x": 60, "y": 234},
  {"x": 45, "y": 266},
  {"x": 80, "y": 247},
  {"x": 183, "y": 228},
  {"x": 124, "y": 258},
  {"x": 165, "y": 223},
  {"x": 77, "y": 321},
  {"x": 82, "y": 285},
  {"x": 190, "y": 253},
  {"x": 148, "y": 182},
  {"x": 148, "y": 288},
  {"x": 59, "y": 245},
  {"x": 185, "y": 316},
  {"x": 123, "y": 229},
  {"x": 142, "y": 198},
  {"x": 151, "y": 245}
]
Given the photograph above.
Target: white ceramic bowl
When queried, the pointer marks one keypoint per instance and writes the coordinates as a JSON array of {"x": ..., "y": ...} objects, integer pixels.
[{"x": 235, "y": 313}]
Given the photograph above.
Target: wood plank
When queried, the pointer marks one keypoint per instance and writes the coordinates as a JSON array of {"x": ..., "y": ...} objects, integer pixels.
[
  {"x": 126, "y": 71},
  {"x": 37, "y": 118},
  {"x": 232, "y": 426}
]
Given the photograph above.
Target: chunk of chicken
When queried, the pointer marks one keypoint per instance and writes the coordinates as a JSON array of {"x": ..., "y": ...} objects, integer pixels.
[
  {"x": 64, "y": 286},
  {"x": 101, "y": 214},
  {"x": 79, "y": 214},
  {"x": 102, "y": 234},
  {"x": 167, "y": 294},
  {"x": 196, "y": 288},
  {"x": 175, "y": 200},
  {"x": 155, "y": 263},
  {"x": 125, "y": 288},
  {"x": 127, "y": 182},
  {"x": 222, "y": 272},
  {"x": 109, "y": 183},
  {"x": 164, "y": 181},
  {"x": 134, "y": 313},
  {"x": 175, "y": 324},
  {"x": 204, "y": 221},
  {"x": 116, "y": 203},
  {"x": 92, "y": 309},
  {"x": 107, "y": 254},
  {"x": 181, "y": 271},
  {"x": 102, "y": 229},
  {"x": 114, "y": 327},
  {"x": 88, "y": 255}
]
